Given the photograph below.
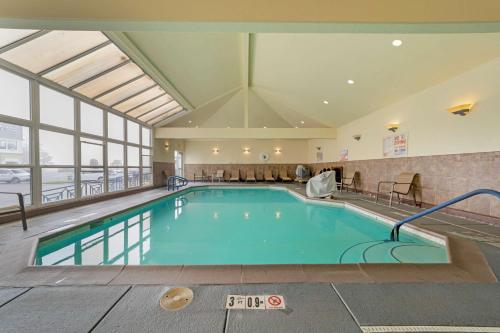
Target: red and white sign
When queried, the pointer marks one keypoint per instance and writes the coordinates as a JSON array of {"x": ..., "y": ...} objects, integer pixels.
[{"x": 275, "y": 302}]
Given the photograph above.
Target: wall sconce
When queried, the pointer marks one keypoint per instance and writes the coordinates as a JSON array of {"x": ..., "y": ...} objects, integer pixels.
[
  {"x": 246, "y": 150},
  {"x": 318, "y": 148},
  {"x": 461, "y": 110},
  {"x": 393, "y": 127},
  {"x": 356, "y": 137},
  {"x": 277, "y": 150},
  {"x": 215, "y": 150},
  {"x": 167, "y": 145}
]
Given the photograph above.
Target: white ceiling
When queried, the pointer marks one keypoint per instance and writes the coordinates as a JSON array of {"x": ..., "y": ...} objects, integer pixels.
[{"x": 291, "y": 74}]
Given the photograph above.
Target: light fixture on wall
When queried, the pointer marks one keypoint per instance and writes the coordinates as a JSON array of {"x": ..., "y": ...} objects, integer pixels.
[
  {"x": 277, "y": 150},
  {"x": 246, "y": 150},
  {"x": 393, "y": 127},
  {"x": 356, "y": 137},
  {"x": 318, "y": 148},
  {"x": 461, "y": 110},
  {"x": 167, "y": 145},
  {"x": 215, "y": 150}
]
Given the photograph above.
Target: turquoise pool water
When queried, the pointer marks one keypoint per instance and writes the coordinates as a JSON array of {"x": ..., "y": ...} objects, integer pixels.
[{"x": 212, "y": 226}]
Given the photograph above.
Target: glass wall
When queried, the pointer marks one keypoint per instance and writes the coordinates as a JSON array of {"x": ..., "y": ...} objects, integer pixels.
[{"x": 55, "y": 147}]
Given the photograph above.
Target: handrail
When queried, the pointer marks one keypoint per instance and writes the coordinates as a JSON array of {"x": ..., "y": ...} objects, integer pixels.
[
  {"x": 172, "y": 182},
  {"x": 395, "y": 230},
  {"x": 21, "y": 209}
]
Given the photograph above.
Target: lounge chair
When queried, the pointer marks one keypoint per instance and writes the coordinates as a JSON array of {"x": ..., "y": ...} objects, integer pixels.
[
  {"x": 200, "y": 177},
  {"x": 219, "y": 175},
  {"x": 251, "y": 176},
  {"x": 268, "y": 175},
  {"x": 404, "y": 184},
  {"x": 284, "y": 175},
  {"x": 349, "y": 180},
  {"x": 235, "y": 175}
]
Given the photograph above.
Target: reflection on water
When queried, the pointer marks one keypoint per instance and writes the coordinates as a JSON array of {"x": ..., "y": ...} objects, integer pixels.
[{"x": 126, "y": 242}]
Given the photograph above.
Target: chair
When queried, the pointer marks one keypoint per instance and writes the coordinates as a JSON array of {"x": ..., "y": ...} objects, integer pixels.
[
  {"x": 268, "y": 175},
  {"x": 404, "y": 184},
  {"x": 251, "y": 175},
  {"x": 200, "y": 177},
  {"x": 284, "y": 175},
  {"x": 219, "y": 175},
  {"x": 16, "y": 208},
  {"x": 349, "y": 180},
  {"x": 235, "y": 175}
]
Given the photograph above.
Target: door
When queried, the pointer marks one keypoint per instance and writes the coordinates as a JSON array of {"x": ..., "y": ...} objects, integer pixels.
[{"x": 178, "y": 163}]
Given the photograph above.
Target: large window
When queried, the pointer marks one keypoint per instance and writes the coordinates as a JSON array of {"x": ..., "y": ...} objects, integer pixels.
[
  {"x": 68, "y": 158},
  {"x": 56, "y": 109},
  {"x": 91, "y": 119},
  {"x": 15, "y": 92}
]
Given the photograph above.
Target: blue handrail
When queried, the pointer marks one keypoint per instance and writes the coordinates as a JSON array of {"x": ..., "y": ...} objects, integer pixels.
[
  {"x": 175, "y": 182},
  {"x": 395, "y": 230}
]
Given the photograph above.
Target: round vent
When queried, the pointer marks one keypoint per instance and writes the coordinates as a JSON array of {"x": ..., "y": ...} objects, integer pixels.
[{"x": 264, "y": 156}]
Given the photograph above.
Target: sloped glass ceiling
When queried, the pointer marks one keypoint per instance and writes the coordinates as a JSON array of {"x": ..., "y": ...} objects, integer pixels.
[{"x": 90, "y": 64}]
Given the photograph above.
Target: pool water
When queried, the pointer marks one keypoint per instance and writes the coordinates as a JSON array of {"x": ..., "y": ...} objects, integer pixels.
[{"x": 221, "y": 226}]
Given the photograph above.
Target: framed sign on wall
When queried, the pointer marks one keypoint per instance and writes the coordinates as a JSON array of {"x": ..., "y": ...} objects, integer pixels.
[{"x": 395, "y": 145}]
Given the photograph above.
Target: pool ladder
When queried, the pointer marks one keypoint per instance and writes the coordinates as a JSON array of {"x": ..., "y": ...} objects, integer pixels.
[
  {"x": 175, "y": 182},
  {"x": 395, "y": 230}
]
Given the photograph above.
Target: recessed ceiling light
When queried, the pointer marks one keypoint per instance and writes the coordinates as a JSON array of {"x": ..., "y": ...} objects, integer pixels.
[
  {"x": 302, "y": 122},
  {"x": 397, "y": 42},
  {"x": 190, "y": 121},
  {"x": 296, "y": 126},
  {"x": 265, "y": 127},
  {"x": 350, "y": 81},
  {"x": 325, "y": 102},
  {"x": 229, "y": 127},
  {"x": 197, "y": 126}
]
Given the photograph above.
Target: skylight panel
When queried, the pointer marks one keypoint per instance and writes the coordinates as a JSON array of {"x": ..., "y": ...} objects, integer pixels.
[
  {"x": 52, "y": 48},
  {"x": 150, "y": 105},
  {"x": 9, "y": 36},
  {"x": 169, "y": 114},
  {"x": 138, "y": 99},
  {"x": 88, "y": 66},
  {"x": 126, "y": 91},
  {"x": 159, "y": 111}
]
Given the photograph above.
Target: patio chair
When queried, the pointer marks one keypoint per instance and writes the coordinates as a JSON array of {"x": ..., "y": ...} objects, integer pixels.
[
  {"x": 16, "y": 208},
  {"x": 268, "y": 175},
  {"x": 219, "y": 175},
  {"x": 284, "y": 175},
  {"x": 200, "y": 176},
  {"x": 235, "y": 175},
  {"x": 404, "y": 184},
  {"x": 349, "y": 180},
  {"x": 251, "y": 176}
]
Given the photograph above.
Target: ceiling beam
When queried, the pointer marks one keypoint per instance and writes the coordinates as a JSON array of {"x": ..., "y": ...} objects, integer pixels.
[
  {"x": 104, "y": 93},
  {"x": 245, "y": 67},
  {"x": 248, "y": 11},
  {"x": 244, "y": 133}
]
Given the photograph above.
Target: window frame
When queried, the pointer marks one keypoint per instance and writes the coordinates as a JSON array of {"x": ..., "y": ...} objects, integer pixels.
[{"x": 34, "y": 126}]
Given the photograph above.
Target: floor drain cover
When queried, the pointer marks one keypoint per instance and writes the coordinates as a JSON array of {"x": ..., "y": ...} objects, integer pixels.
[{"x": 176, "y": 298}]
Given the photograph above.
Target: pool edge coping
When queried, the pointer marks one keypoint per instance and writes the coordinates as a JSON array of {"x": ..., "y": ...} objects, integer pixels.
[{"x": 453, "y": 271}]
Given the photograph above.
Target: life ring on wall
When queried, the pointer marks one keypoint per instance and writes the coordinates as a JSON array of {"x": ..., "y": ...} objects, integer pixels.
[{"x": 264, "y": 157}]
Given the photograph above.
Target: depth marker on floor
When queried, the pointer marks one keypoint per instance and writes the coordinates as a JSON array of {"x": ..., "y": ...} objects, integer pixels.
[{"x": 393, "y": 329}]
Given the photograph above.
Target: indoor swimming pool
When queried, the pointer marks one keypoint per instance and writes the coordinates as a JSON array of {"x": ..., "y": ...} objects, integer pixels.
[{"x": 236, "y": 226}]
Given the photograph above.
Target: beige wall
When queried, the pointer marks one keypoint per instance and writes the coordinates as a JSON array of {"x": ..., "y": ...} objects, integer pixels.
[
  {"x": 431, "y": 130},
  {"x": 231, "y": 151},
  {"x": 160, "y": 154},
  {"x": 328, "y": 147}
]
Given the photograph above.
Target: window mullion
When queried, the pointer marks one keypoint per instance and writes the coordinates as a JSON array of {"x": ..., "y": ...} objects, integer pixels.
[
  {"x": 36, "y": 197},
  {"x": 76, "y": 149}
]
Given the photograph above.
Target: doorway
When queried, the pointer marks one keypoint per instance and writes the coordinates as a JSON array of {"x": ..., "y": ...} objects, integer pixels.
[{"x": 178, "y": 157}]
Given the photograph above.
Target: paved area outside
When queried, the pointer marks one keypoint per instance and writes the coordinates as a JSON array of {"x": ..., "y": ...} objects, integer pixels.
[{"x": 319, "y": 307}]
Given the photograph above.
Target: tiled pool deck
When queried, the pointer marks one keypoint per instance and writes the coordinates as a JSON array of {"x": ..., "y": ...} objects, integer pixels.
[{"x": 125, "y": 299}]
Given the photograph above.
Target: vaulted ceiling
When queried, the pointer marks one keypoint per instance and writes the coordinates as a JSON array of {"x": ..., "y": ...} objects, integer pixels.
[{"x": 290, "y": 75}]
